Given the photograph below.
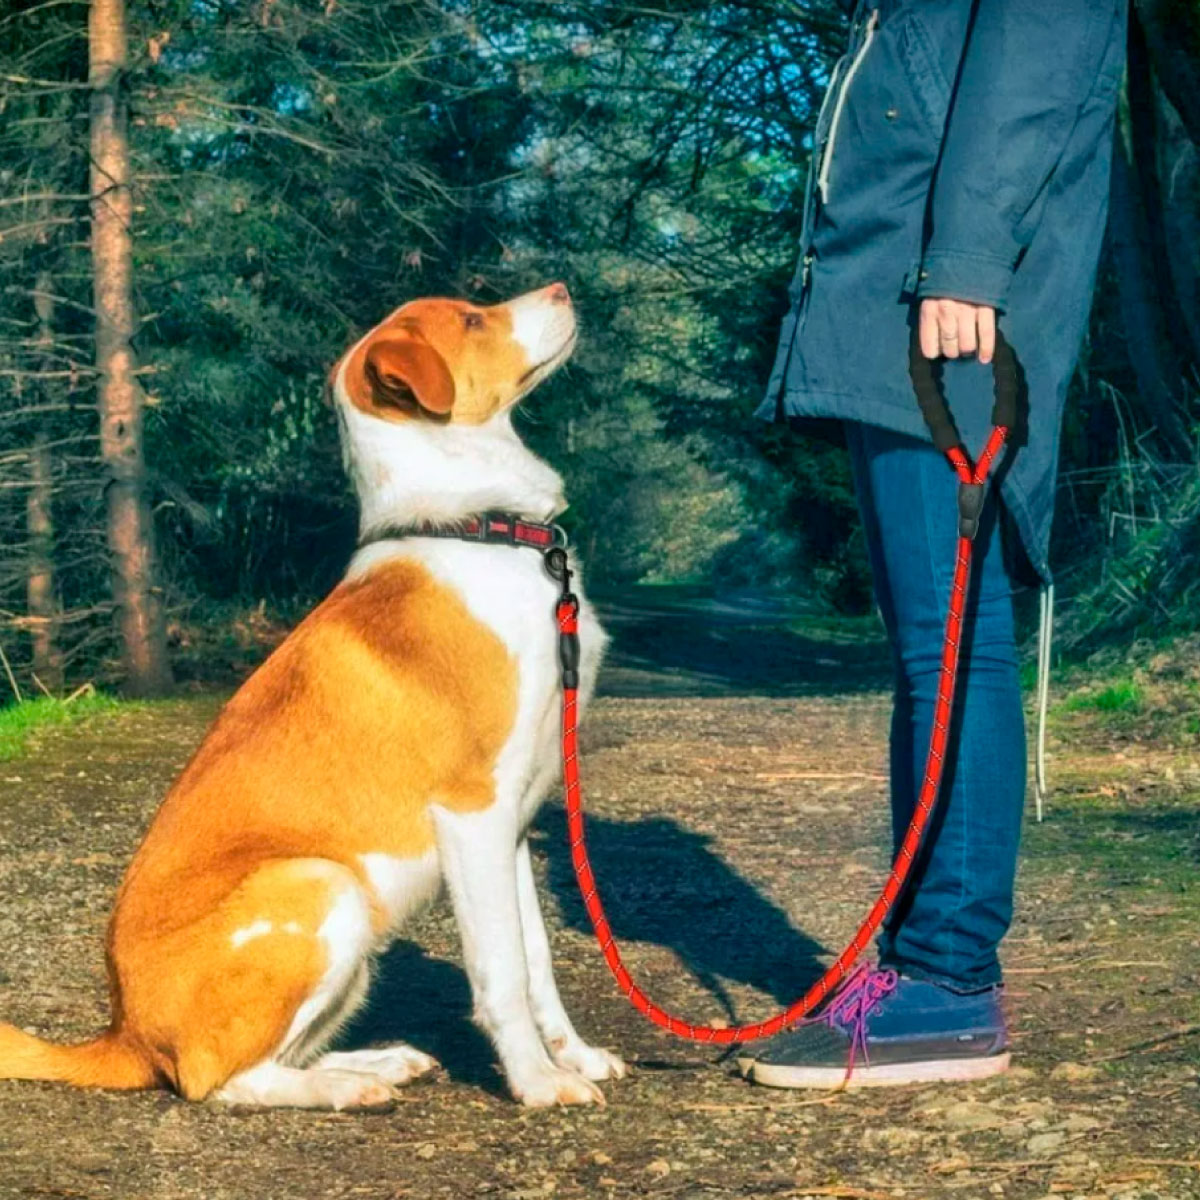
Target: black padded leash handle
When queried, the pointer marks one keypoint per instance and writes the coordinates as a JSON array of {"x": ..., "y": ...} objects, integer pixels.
[
  {"x": 927, "y": 386},
  {"x": 1006, "y": 383}
]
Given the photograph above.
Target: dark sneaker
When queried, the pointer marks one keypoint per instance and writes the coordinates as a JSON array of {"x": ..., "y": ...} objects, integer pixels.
[{"x": 882, "y": 1029}]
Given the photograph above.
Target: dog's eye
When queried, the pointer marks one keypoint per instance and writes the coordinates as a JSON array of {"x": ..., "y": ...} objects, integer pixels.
[{"x": 473, "y": 320}]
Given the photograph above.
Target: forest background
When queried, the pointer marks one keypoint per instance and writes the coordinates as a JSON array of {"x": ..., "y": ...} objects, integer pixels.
[{"x": 203, "y": 201}]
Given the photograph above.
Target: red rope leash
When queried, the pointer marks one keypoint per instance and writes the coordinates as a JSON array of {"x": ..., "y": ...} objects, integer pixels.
[{"x": 972, "y": 480}]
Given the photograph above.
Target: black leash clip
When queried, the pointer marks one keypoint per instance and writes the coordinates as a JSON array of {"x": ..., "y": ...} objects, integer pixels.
[
  {"x": 556, "y": 567},
  {"x": 970, "y": 507},
  {"x": 566, "y": 612}
]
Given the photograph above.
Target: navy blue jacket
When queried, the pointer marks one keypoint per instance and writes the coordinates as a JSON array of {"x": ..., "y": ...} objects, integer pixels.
[{"x": 963, "y": 150}]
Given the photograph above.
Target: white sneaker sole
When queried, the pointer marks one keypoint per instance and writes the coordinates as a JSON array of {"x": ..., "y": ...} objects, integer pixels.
[{"x": 946, "y": 1070}]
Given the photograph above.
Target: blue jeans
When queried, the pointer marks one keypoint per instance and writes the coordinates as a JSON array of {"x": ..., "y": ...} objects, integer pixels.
[{"x": 949, "y": 922}]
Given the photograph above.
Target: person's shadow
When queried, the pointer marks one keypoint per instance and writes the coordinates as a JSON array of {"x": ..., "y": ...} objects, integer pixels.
[{"x": 661, "y": 883}]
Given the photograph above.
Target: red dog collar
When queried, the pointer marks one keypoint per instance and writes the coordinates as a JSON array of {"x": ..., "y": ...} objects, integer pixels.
[{"x": 491, "y": 528}]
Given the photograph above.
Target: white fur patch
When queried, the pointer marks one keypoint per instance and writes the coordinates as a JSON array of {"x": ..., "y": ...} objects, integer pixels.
[
  {"x": 402, "y": 886},
  {"x": 542, "y": 328},
  {"x": 411, "y": 471},
  {"x": 346, "y": 932},
  {"x": 247, "y": 933},
  {"x": 273, "y": 1085}
]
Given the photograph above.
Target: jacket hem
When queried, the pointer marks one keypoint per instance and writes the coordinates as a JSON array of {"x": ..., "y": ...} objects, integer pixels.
[{"x": 850, "y": 406}]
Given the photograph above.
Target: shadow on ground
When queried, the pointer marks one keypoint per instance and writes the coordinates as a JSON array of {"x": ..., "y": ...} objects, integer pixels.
[
  {"x": 665, "y": 884},
  {"x": 425, "y": 1001},
  {"x": 674, "y": 642}
]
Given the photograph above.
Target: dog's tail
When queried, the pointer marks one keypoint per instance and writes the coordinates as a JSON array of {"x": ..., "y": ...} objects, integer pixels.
[{"x": 107, "y": 1062}]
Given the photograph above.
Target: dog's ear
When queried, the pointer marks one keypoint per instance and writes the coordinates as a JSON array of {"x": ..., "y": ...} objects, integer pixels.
[{"x": 407, "y": 374}]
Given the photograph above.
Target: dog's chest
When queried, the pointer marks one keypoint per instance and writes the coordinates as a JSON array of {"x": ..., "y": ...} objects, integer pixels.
[
  {"x": 508, "y": 590},
  {"x": 518, "y": 602}
]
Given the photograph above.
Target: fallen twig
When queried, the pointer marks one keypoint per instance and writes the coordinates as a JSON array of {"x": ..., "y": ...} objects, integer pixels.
[
  {"x": 1060, "y": 968},
  {"x": 1190, "y": 1164},
  {"x": 1153, "y": 1043},
  {"x": 844, "y": 1193},
  {"x": 774, "y": 775},
  {"x": 12, "y": 679},
  {"x": 951, "y": 1165},
  {"x": 824, "y": 1100}
]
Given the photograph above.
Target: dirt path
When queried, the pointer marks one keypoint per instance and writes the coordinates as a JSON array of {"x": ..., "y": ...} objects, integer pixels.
[{"x": 738, "y": 838}]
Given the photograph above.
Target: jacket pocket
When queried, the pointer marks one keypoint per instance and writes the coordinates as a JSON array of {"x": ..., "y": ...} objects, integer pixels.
[
  {"x": 887, "y": 139},
  {"x": 919, "y": 58}
]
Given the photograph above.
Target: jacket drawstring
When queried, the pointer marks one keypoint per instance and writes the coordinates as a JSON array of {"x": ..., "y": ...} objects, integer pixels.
[
  {"x": 856, "y": 62},
  {"x": 1045, "y": 642}
]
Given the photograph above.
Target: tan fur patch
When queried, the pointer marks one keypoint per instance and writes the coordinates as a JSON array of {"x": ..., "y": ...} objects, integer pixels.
[
  {"x": 486, "y": 363},
  {"x": 388, "y": 698}
]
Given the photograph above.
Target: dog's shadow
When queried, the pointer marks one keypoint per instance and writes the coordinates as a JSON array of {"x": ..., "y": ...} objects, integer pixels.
[
  {"x": 662, "y": 883},
  {"x": 426, "y": 1002}
]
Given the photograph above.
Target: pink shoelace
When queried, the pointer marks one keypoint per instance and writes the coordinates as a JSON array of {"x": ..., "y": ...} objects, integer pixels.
[{"x": 852, "y": 1006}]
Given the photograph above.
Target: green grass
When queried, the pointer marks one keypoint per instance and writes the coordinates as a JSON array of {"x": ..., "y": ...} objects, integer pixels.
[
  {"x": 1146, "y": 847},
  {"x": 1122, "y": 696},
  {"x": 18, "y": 722}
]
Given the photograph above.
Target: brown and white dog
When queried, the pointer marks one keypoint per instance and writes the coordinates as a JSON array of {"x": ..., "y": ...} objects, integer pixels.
[{"x": 402, "y": 735}]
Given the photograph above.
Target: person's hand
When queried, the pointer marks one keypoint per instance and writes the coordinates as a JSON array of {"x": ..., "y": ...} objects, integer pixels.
[{"x": 951, "y": 329}]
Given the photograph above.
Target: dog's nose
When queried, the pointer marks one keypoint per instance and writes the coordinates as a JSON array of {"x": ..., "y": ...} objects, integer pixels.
[{"x": 558, "y": 293}]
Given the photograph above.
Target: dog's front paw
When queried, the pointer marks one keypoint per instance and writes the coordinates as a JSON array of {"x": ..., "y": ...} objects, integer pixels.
[
  {"x": 550, "y": 1086},
  {"x": 592, "y": 1062}
]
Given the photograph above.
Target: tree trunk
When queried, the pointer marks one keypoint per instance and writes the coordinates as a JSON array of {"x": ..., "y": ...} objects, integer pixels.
[
  {"x": 1147, "y": 344},
  {"x": 1148, "y": 309},
  {"x": 41, "y": 601},
  {"x": 1172, "y": 32},
  {"x": 120, "y": 398},
  {"x": 1179, "y": 169}
]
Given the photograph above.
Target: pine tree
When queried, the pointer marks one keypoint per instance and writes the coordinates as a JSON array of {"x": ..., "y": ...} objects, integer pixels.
[{"x": 120, "y": 397}]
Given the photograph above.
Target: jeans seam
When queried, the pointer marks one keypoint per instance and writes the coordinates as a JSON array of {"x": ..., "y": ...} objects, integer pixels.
[{"x": 939, "y": 592}]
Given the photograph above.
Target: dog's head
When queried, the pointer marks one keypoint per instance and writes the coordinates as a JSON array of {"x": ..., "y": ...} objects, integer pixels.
[{"x": 450, "y": 362}]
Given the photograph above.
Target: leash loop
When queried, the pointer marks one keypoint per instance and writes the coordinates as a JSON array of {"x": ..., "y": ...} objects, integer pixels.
[
  {"x": 926, "y": 374},
  {"x": 972, "y": 478}
]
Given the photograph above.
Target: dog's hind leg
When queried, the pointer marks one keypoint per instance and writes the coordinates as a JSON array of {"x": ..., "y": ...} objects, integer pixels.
[
  {"x": 346, "y": 934},
  {"x": 396, "y": 1064},
  {"x": 308, "y": 1041},
  {"x": 237, "y": 1000},
  {"x": 479, "y": 858},
  {"x": 272, "y": 1085}
]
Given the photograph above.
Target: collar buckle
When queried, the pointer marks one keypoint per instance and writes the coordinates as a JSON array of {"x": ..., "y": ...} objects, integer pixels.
[{"x": 500, "y": 528}]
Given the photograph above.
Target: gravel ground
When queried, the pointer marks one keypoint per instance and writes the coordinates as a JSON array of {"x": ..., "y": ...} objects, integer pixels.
[{"x": 738, "y": 831}]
